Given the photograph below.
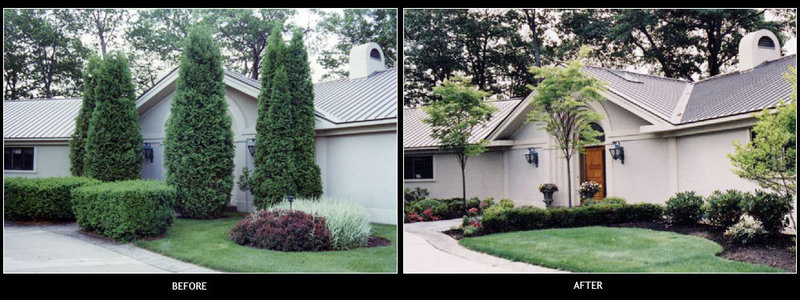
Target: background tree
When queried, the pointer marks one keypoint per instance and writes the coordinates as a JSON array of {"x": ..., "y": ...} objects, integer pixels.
[
  {"x": 770, "y": 159},
  {"x": 103, "y": 24},
  {"x": 114, "y": 139},
  {"x": 560, "y": 102},
  {"x": 308, "y": 177},
  {"x": 198, "y": 147},
  {"x": 453, "y": 118},
  {"x": 353, "y": 27},
  {"x": 77, "y": 145}
]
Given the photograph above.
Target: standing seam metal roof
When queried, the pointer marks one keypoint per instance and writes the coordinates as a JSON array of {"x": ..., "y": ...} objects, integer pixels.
[{"x": 40, "y": 119}]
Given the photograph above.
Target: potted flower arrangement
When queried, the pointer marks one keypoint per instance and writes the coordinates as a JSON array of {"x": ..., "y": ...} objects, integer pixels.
[
  {"x": 547, "y": 189},
  {"x": 588, "y": 189}
]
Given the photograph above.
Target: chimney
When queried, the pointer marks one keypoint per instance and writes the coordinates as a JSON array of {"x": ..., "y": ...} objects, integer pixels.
[
  {"x": 366, "y": 59},
  {"x": 758, "y": 47}
]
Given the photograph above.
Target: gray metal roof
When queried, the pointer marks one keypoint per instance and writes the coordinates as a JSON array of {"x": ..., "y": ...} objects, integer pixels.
[
  {"x": 417, "y": 134},
  {"x": 350, "y": 100},
  {"x": 740, "y": 92},
  {"x": 40, "y": 119}
]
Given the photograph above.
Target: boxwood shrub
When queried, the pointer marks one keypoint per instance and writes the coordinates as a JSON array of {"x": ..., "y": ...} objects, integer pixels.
[
  {"x": 725, "y": 209},
  {"x": 770, "y": 209},
  {"x": 532, "y": 218},
  {"x": 125, "y": 210},
  {"x": 40, "y": 199},
  {"x": 685, "y": 208}
]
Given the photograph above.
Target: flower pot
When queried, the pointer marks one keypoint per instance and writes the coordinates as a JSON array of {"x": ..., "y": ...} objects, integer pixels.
[{"x": 548, "y": 198}]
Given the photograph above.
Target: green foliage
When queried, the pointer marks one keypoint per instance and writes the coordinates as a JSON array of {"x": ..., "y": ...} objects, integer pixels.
[
  {"x": 282, "y": 230},
  {"x": 770, "y": 209},
  {"x": 353, "y": 27},
  {"x": 685, "y": 208},
  {"x": 770, "y": 159},
  {"x": 505, "y": 203},
  {"x": 114, "y": 139},
  {"x": 40, "y": 199},
  {"x": 198, "y": 147},
  {"x": 77, "y": 145},
  {"x": 532, "y": 218},
  {"x": 415, "y": 195},
  {"x": 347, "y": 221},
  {"x": 725, "y": 209},
  {"x": 607, "y": 200},
  {"x": 279, "y": 163},
  {"x": 307, "y": 176},
  {"x": 746, "y": 231},
  {"x": 125, "y": 210}
]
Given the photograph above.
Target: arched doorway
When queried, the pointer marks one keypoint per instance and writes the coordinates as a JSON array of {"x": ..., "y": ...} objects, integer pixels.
[{"x": 593, "y": 163}]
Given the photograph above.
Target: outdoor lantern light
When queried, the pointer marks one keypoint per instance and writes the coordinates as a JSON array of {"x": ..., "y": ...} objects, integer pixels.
[
  {"x": 147, "y": 150},
  {"x": 617, "y": 152},
  {"x": 291, "y": 199},
  {"x": 532, "y": 157},
  {"x": 251, "y": 145}
]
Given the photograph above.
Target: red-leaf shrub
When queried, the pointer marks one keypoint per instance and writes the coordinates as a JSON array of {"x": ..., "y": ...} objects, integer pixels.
[{"x": 283, "y": 230}]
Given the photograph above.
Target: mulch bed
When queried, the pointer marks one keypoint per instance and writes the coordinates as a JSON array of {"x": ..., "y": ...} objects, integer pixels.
[
  {"x": 775, "y": 251},
  {"x": 376, "y": 241}
]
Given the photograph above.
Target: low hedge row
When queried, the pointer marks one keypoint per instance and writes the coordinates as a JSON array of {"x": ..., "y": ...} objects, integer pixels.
[
  {"x": 532, "y": 218},
  {"x": 125, "y": 210},
  {"x": 40, "y": 199},
  {"x": 443, "y": 208}
]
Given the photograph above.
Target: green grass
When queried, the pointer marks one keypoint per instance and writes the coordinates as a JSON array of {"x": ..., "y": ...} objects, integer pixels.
[
  {"x": 606, "y": 249},
  {"x": 207, "y": 243}
]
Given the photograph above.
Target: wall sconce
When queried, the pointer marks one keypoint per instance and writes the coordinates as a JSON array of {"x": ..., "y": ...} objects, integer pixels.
[
  {"x": 251, "y": 145},
  {"x": 532, "y": 157},
  {"x": 147, "y": 150},
  {"x": 617, "y": 152}
]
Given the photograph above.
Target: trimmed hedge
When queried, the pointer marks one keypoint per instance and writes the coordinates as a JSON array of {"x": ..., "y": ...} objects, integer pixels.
[
  {"x": 685, "y": 208},
  {"x": 532, "y": 218},
  {"x": 125, "y": 210},
  {"x": 40, "y": 199}
]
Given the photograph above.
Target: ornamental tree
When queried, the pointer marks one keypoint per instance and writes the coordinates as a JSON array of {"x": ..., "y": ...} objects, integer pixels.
[
  {"x": 198, "y": 146},
  {"x": 307, "y": 175},
  {"x": 560, "y": 102},
  {"x": 453, "y": 118},
  {"x": 114, "y": 139},
  {"x": 77, "y": 145}
]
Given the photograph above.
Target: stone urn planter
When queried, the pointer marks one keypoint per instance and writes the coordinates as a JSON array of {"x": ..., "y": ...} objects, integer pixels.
[{"x": 547, "y": 189}]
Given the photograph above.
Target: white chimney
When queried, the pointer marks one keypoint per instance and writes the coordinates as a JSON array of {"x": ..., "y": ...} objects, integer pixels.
[
  {"x": 366, "y": 59},
  {"x": 758, "y": 47}
]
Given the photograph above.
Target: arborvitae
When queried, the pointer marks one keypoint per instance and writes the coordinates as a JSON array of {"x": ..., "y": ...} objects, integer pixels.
[
  {"x": 198, "y": 146},
  {"x": 114, "y": 138},
  {"x": 279, "y": 163},
  {"x": 77, "y": 145},
  {"x": 273, "y": 58},
  {"x": 307, "y": 177}
]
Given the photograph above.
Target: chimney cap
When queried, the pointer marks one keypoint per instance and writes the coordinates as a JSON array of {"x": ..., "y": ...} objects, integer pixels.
[
  {"x": 757, "y": 47},
  {"x": 366, "y": 59}
]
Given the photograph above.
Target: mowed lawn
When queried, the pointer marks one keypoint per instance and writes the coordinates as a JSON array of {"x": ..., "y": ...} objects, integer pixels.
[
  {"x": 607, "y": 249},
  {"x": 207, "y": 243}
]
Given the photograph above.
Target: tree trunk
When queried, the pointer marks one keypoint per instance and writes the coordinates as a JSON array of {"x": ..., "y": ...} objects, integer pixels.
[
  {"x": 569, "y": 184},
  {"x": 464, "y": 185}
]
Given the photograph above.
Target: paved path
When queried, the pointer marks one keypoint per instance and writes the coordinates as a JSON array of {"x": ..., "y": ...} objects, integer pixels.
[
  {"x": 63, "y": 248},
  {"x": 427, "y": 250}
]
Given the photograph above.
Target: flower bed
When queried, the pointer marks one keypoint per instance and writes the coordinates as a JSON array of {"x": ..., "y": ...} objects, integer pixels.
[{"x": 347, "y": 221}]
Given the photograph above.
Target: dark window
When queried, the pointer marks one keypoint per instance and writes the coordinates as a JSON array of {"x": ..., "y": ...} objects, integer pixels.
[
  {"x": 752, "y": 134},
  {"x": 18, "y": 159},
  {"x": 418, "y": 167},
  {"x": 766, "y": 42},
  {"x": 375, "y": 54}
]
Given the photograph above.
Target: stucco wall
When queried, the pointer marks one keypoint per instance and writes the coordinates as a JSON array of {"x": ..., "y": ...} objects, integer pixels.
[
  {"x": 484, "y": 176},
  {"x": 703, "y": 164},
  {"x": 48, "y": 161},
  {"x": 644, "y": 177}
]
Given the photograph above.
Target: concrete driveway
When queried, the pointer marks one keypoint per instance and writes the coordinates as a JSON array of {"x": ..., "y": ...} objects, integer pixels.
[
  {"x": 63, "y": 248},
  {"x": 427, "y": 250}
]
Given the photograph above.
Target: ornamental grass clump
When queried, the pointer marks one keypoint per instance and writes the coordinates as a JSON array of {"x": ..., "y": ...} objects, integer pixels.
[{"x": 347, "y": 221}]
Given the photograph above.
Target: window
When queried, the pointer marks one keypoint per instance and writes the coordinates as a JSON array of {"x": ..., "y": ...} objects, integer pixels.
[
  {"x": 766, "y": 42},
  {"x": 18, "y": 158},
  {"x": 418, "y": 167},
  {"x": 375, "y": 54}
]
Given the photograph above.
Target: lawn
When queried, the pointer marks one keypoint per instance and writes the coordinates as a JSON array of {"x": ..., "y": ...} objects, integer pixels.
[
  {"x": 207, "y": 243},
  {"x": 607, "y": 249}
]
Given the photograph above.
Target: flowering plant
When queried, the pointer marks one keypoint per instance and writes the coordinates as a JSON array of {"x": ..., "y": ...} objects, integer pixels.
[
  {"x": 588, "y": 189},
  {"x": 548, "y": 188}
]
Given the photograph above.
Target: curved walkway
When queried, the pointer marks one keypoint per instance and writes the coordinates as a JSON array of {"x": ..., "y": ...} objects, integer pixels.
[
  {"x": 63, "y": 248},
  {"x": 427, "y": 250}
]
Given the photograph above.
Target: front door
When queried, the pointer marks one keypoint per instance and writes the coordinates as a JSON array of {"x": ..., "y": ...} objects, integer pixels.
[{"x": 594, "y": 168}]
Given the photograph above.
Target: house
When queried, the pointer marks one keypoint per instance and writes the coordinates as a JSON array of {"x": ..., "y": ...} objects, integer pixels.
[
  {"x": 356, "y": 132},
  {"x": 674, "y": 135}
]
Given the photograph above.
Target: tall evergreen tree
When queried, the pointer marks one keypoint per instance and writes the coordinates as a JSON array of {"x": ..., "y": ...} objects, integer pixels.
[
  {"x": 307, "y": 177},
  {"x": 77, "y": 145},
  {"x": 198, "y": 147},
  {"x": 273, "y": 57},
  {"x": 114, "y": 138},
  {"x": 279, "y": 162}
]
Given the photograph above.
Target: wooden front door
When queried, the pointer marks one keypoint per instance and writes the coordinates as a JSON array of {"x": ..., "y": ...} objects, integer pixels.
[{"x": 594, "y": 168}]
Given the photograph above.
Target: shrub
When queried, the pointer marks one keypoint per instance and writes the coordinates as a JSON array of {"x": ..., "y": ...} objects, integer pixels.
[
  {"x": 725, "y": 209},
  {"x": 506, "y": 203},
  {"x": 771, "y": 209},
  {"x": 684, "y": 208},
  {"x": 283, "y": 230},
  {"x": 587, "y": 189},
  {"x": 347, "y": 221},
  {"x": 125, "y": 210},
  {"x": 608, "y": 200},
  {"x": 40, "y": 199},
  {"x": 414, "y": 195},
  {"x": 746, "y": 231},
  {"x": 77, "y": 146},
  {"x": 531, "y": 218}
]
